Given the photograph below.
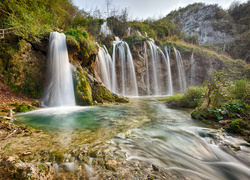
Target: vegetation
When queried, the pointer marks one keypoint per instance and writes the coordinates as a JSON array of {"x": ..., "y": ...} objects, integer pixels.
[
  {"x": 81, "y": 39},
  {"x": 31, "y": 19},
  {"x": 23, "y": 108},
  {"x": 190, "y": 99},
  {"x": 226, "y": 101}
]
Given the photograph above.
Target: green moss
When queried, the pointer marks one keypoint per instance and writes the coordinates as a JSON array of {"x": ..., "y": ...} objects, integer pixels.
[
  {"x": 120, "y": 99},
  {"x": 83, "y": 89},
  {"x": 23, "y": 108},
  {"x": 101, "y": 94},
  {"x": 72, "y": 45}
]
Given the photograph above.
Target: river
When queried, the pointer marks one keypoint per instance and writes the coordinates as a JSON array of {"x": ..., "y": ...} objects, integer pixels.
[{"x": 168, "y": 138}]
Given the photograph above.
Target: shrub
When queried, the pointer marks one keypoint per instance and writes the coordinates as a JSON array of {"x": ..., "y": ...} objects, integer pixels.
[
  {"x": 240, "y": 90},
  {"x": 23, "y": 108},
  {"x": 190, "y": 99}
]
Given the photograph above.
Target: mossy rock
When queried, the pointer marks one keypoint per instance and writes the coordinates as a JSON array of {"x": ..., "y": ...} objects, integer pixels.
[
  {"x": 72, "y": 45},
  {"x": 120, "y": 99},
  {"x": 102, "y": 94},
  {"x": 83, "y": 91}
]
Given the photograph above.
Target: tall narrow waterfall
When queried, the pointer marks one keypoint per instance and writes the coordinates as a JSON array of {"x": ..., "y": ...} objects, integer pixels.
[
  {"x": 193, "y": 66},
  {"x": 181, "y": 71},
  {"x": 105, "y": 66},
  {"x": 123, "y": 70},
  {"x": 170, "y": 83},
  {"x": 60, "y": 89},
  {"x": 105, "y": 29}
]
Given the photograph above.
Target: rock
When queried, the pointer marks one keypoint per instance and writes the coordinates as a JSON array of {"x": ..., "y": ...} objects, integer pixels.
[
  {"x": 111, "y": 165},
  {"x": 205, "y": 20},
  {"x": 13, "y": 168},
  {"x": 10, "y": 113},
  {"x": 121, "y": 136},
  {"x": 155, "y": 168},
  {"x": 224, "y": 122},
  {"x": 83, "y": 89}
]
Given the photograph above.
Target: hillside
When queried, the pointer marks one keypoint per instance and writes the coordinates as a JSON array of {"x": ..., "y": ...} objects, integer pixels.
[{"x": 227, "y": 30}]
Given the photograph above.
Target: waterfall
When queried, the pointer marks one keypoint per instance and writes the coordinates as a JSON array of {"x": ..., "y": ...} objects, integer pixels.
[
  {"x": 181, "y": 71},
  {"x": 138, "y": 32},
  {"x": 105, "y": 29},
  {"x": 193, "y": 66},
  {"x": 158, "y": 72},
  {"x": 129, "y": 31},
  {"x": 170, "y": 83},
  {"x": 60, "y": 89},
  {"x": 127, "y": 78},
  {"x": 105, "y": 65},
  {"x": 119, "y": 75},
  {"x": 120, "y": 68}
]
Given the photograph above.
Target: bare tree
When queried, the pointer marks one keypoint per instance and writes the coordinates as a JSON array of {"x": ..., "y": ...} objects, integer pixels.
[{"x": 108, "y": 4}]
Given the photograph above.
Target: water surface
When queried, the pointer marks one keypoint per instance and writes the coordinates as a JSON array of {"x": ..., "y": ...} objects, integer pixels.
[{"x": 166, "y": 137}]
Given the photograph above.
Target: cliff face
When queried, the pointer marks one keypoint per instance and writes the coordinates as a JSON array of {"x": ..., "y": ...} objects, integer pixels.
[{"x": 212, "y": 24}]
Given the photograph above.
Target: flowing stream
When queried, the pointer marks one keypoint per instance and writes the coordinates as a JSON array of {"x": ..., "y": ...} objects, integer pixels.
[{"x": 166, "y": 137}]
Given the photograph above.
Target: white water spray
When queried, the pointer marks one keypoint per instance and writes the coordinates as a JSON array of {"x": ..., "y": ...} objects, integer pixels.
[{"x": 60, "y": 89}]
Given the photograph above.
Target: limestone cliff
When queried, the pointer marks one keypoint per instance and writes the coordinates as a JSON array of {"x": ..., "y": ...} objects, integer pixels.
[{"x": 212, "y": 24}]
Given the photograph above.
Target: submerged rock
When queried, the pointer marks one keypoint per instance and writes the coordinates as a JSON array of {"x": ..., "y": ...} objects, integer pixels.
[{"x": 13, "y": 168}]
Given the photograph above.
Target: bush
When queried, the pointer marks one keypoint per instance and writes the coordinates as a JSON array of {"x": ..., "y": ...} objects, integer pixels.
[
  {"x": 240, "y": 90},
  {"x": 23, "y": 108},
  {"x": 190, "y": 99}
]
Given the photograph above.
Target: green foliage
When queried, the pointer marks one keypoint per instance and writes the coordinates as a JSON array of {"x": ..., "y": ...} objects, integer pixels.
[
  {"x": 6, "y": 147},
  {"x": 240, "y": 90},
  {"x": 30, "y": 19},
  {"x": 240, "y": 13},
  {"x": 190, "y": 99},
  {"x": 216, "y": 94},
  {"x": 80, "y": 37},
  {"x": 23, "y": 108},
  {"x": 236, "y": 126},
  {"x": 191, "y": 39}
]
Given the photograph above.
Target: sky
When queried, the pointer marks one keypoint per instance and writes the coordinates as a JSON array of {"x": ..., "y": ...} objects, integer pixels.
[{"x": 142, "y": 9}]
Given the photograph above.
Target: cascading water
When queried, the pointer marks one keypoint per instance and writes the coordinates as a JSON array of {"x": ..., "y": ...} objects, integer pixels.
[
  {"x": 60, "y": 89},
  {"x": 127, "y": 78},
  {"x": 105, "y": 29},
  {"x": 193, "y": 66},
  {"x": 170, "y": 83},
  {"x": 181, "y": 71},
  {"x": 119, "y": 76},
  {"x": 105, "y": 66},
  {"x": 157, "y": 67}
]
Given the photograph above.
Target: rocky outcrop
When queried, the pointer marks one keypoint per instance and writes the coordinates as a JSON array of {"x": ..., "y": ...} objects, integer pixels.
[{"x": 212, "y": 24}]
